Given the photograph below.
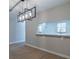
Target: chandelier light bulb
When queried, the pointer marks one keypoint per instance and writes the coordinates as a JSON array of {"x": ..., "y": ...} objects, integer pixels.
[
  {"x": 26, "y": 16},
  {"x": 22, "y": 17},
  {"x": 30, "y": 14}
]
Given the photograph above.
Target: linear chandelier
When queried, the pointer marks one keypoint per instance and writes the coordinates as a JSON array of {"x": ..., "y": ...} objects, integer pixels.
[{"x": 26, "y": 13}]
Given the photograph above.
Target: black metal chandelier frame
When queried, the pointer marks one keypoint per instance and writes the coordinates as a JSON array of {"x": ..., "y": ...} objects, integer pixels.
[
  {"x": 33, "y": 16},
  {"x": 33, "y": 10}
]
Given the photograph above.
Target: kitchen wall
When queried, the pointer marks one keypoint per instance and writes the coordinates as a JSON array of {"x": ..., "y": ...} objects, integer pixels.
[
  {"x": 51, "y": 27},
  {"x": 55, "y": 44},
  {"x": 16, "y": 30}
]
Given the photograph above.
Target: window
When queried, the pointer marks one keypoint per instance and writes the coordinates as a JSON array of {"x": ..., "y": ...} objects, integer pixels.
[
  {"x": 41, "y": 27},
  {"x": 61, "y": 27}
]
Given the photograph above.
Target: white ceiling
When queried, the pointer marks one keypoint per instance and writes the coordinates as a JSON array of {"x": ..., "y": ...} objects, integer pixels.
[{"x": 40, "y": 4}]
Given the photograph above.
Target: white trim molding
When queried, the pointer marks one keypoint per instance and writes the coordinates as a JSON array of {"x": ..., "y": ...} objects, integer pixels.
[
  {"x": 16, "y": 42},
  {"x": 52, "y": 52}
]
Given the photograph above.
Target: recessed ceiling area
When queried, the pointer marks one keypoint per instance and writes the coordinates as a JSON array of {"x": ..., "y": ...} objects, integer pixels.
[{"x": 40, "y": 4}]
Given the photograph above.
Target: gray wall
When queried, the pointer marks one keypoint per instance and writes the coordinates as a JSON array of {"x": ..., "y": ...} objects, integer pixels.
[
  {"x": 16, "y": 30},
  {"x": 50, "y": 43}
]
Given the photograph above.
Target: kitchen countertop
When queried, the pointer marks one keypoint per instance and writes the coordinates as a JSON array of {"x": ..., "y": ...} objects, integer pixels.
[{"x": 53, "y": 35}]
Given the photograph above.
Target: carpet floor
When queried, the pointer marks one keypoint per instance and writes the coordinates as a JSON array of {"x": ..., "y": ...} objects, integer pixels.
[{"x": 20, "y": 51}]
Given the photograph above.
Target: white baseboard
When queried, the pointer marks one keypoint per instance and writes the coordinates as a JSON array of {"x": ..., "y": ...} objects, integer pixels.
[
  {"x": 16, "y": 42},
  {"x": 52, "y": 52}
]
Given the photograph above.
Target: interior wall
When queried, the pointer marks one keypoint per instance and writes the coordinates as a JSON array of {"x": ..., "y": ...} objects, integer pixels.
[
  {"x": 51, "y": 28},
  {"x": 50, "y": 43},
  {"x": 16, "y": 30}
]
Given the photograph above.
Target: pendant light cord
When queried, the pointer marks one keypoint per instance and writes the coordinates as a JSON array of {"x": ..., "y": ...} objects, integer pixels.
[{"x": 22, "y": 7}]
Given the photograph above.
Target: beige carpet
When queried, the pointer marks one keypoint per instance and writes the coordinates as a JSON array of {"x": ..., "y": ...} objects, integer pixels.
[{"x": 20, "y": 51}]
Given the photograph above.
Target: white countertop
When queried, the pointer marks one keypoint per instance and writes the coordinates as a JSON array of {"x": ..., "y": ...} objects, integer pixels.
[{"x": 56, "y": 34}]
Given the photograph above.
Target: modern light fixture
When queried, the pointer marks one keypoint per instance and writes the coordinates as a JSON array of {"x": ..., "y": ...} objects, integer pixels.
[{"x": 26, "y": 13}]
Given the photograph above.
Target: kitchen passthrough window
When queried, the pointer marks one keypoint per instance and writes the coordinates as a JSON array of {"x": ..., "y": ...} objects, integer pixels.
[{"x": 41, "y": 27}]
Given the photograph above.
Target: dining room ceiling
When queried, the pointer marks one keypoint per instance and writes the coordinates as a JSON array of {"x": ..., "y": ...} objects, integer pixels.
[{"x": 40, "y": 4}]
